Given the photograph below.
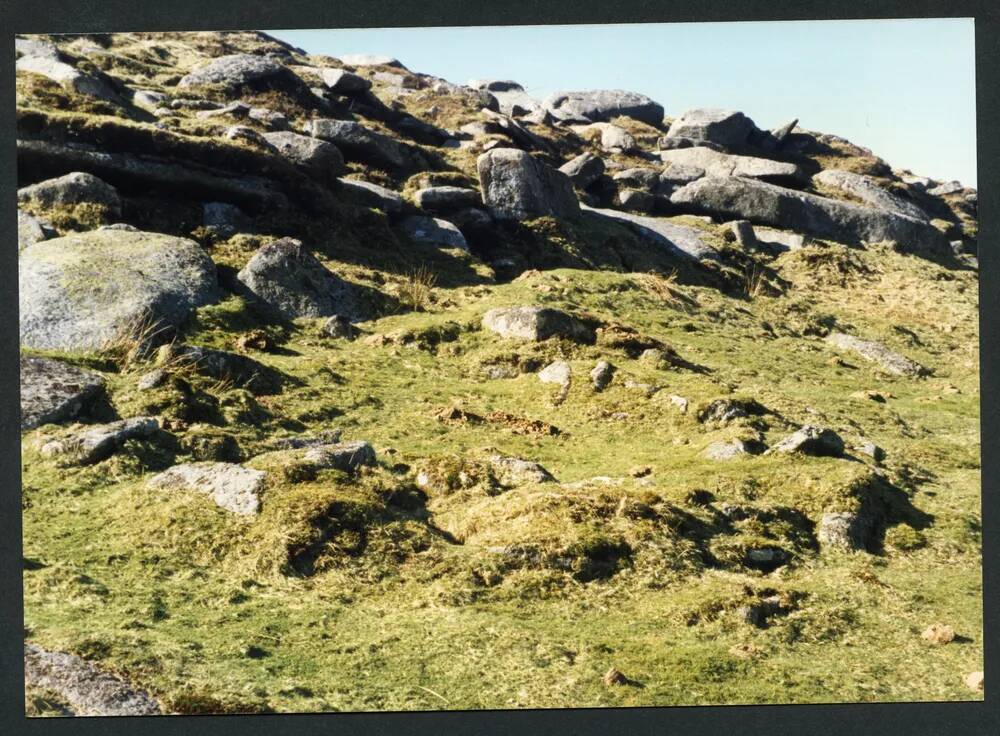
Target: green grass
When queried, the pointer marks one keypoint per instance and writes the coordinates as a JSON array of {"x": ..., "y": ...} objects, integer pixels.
[{"x": 358, "y": 593}]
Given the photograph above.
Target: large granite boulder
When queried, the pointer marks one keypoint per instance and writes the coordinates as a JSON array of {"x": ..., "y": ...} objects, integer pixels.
[
  {"x": 81, "y": 291},
  {"x": 722, "y": 127},
  {"x": 366, "y": 146},
  {"x": 536, "y": 324},
  {"x": 865, "y": 188},
  {"x": 77, "y": 187},
  {"x": 602, "y": 106},
  {"x": 716, "y": 163},
  {"x": 292, "y": 281},
  {"x": 49, "y": 63},
  {"x": 53, "y": 391},
  {"x": 510, "y": 96},
  {"x": 343, "y": 82},
  {"x": 583, "y": 170},
  {"x": 95, "y": 443},
  {"x": 736, "y": 197},
  {"x": 366, "y": 194},
  {"x": 517, "y": 186},
  {"x": 319, "y": 158},
  {"x": 242, "y": 70},
  {"x": 231, "y": 486},
  {"x": 433, "y": 231},
  {"x": 679, "y": 240}
]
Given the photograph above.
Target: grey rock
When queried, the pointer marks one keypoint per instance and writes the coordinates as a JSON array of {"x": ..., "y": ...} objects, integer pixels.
[
  {"x": 344, "y": 82},
  {"x": 366, "y": 194},
  {"x": 869, "y": 448},
  {"x": 69, "y": 76},
  {"x": 346, "y": 456},
  {"x": 29, "y": 230},
  {"x": 779, "y": 134},
  {"x": 86, "y": 689},
  {"x": 443, "y": 199},
  {"x": 514, "y": 471},
  {"x": 121, "y": 227},
  {"x": 239, "y": 370},
  {"x": 890, "y": 361},
  {"x": 339, "y": 326},
  {"x": 231, "y": 486},
  {"x": 471, "y": 220},
  {"x": 517, "y": 186},
  {"x": 53, "y": 391},
  {"x": 723, "y": 127},
  {"x": 865, "y": 188},
  {"x": 636, "y": 201},
  {"x": 811, "y": 440},
  {"x": 320, "y": 158},
  {"x": 325, "y": 437},
  {"x": 761, "y": 203},
  {"x": 732, "y": 449},
  {"x": 638, "y": 178},
  {"x": 223, "y": 218},
  {"x": 433, "y": 231},
  {"x": 675, "y": 174},
  {"x": 951, "y": 187},
  {"x": 155, "y": 378},
  {"x": 743, "y": 233},
  {"x": 613, "y": 138},
  {"x": 391, "y": 79},
  {"x": 680, "y": 240},
  {"x": 36, "y": 47},
  {"x": 238, "y": 70},
  {"x": 603, "y": 105},
  {"x": 519, "y": 134},
  {"x": 715, "y": 163},
  {"x": 149, "y": 98},
  {"x": 583, "y": 170},
  {"x": 361, "y": 144},
  {"x": 250, "y": 135},
  {"x": 920, "y": 183},
  {"x": 93, "y": 444},
  {"x": 238, "y": 110},
  {"x": 558, "y": 372},
  {"x": 81, "y": 291},
  {"x": 194, "y": 103},
  {"x": 780, "y": 238},
  {"x": 672, "y": 143},
  {"x": 75, "y": 188},
  {"x": 601, "y": 375},
  {"x": 758, "y": 613},
  {"x": 362, "y": 60},
  {"x": 511, "y": 98},
  {"x": 724, "y": 411},
  {"x": 536, "y": 324},
  {"x": 845, "y": 530},
  {"x": 288, "y": 278}
]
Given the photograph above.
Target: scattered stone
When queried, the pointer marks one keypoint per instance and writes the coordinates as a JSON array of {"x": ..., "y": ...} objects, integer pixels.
[
  {"x": 223, "y": 218},
  {"x": 558, "y": 372},
  {"x": 717, "y": 164},
  {"x": 514, "y": 471},
  {"x": 93, "y": 444},
  {"x": 741, "y": 198},
  {"x": 603, "y": 105},
  {"x": 811, "y": 440},
  {"x": 52, "y": 67},
  {"x": 889, "y": 361},
  {"x": 517, "y": 186},
  {"x": 344, "y": 82},
  {"x": 363, "y": 60},
  {"x": 294, "y": 283},
  {"x": 779, "y": 238},
  {"x": 583, "y": 170},
  {"x": 865, "y": 188},
  {"x": 258, "y": 340},
  {"x": 743, "y": 233},
  {"x": 71, "y": 189},
  {"x": 510, "y": 97},
  {"x": 678, "y": 174},
  {"x": 345, "y": 456},
  {"x": 53, "y": 391},
  {"x": 942, "y": 190},
  {"x": 680, "y": 240},
  {"x": 614, "y": 677},
  {"x": 939, "y": 634},
  {"x": 319, "y": 158},
  {"x": 150, "y": 98},
  {"x": 732, "y": 449},
  {"x": 239, "y": 70},
  {"x": 83, "y": 291},
  {"x": 975, "y": 681},
  {"x": 636, "y": 201},
  {"x": 471, "y": 220},
  {"x": 680, "y": 402},
  {"x": 638, "y": 178},
  {"x": 601, "y": 375},
  {"x": 86, "y": 689},
  {"x": 433, "y": 231},
  {"x": 231, "y": 486},
  {"x": 869, "y": 448},
  {"x": 153, "y": 379},
  {"x": 613, "y": 138},
  {"x": 225, "y": 366},
  {"x": 339, "y": 326},
  {"x": 723, "y": 127},
  {"x": 377, "y": 197},
  {"x": 443, "y": 199},
  {"x": 536, "y": 324},
  {"x": 361, "y": 144},
  {"x": 845, "y": 530},
  {"x": 724, "y": 411},
  {"x": 326, "y": 437}
]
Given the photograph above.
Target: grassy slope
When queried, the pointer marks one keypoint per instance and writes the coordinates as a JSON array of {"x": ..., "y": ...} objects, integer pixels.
[{"x": 193, "y": 604}]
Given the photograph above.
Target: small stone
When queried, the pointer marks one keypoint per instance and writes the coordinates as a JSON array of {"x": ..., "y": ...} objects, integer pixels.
[
  {"x": 601, "y": 375},
  {"x": 975, "y": 681},
  {"x": 614, "y": 677},
  {"x": 93, "y": 444},
  {"x": 680, "y": 402},
  {"x": 339, "y": 326},
  {"x": 939, "y": 634},
  {"x": 346, "y": 456},
  {"x": 254, "y": 340},
  {"x": 845, "y": 530},
  {"x": 151, "y": 380},
  {"x": 558, "y": 372}
]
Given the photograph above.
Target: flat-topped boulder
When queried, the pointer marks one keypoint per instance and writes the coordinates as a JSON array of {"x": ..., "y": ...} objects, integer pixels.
[
  {"x": 364, "y": 60},
  {"x": 232, "y": 487},
  {"x": 367, "y": 194},
  {"x": 364, "y": 145},
  {"x": 810, "y": 440},
  {"x": 345, "y": 456},
  {"x": 239, "y": 70},
  {"x": 612, "y": 137},
  {"x": 95, "y": 443},
  {"x": 53, "y": 391},
  {"x": 716, "y": 163},
  {"x": 515, "y": 471},
  {"x": 74, "y": 188},
  {"x": 867, "y": 189},
  {"x": 319, "y": 158},
  {"x": 734, "y": 197},
  {"x": 53, "y": 67},
  {"x": 723, "y": 127},
  {"x": 536, "y": 324},
  {"x": 433, "y": 231},
  {"x": 679, "y": 240},
  {"x": 602, "y": 105},
  {"x": 82, "y": 291},
  {"x": 510, "y": 96},
  {"x": 445, "y": 198},
  {"x": 517, "y": 186},
  {"x": 291, "y": 280},
  {"x": 888, "y": 360}
]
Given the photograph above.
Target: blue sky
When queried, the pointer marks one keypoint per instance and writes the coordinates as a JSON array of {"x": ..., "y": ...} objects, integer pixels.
[{"x": 904, "y": 88}]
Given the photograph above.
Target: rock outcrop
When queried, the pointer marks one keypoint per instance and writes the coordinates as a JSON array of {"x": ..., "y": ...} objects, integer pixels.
[{"x": 517, "y": 186}]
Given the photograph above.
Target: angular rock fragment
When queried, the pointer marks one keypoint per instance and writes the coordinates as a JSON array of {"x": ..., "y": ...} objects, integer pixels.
[
  {"x": 433, "y": 231},
  {"x": 93, "y": 444},
  {"x": 231, "y": 486},
  {"x": 75, "y": 188},
  {"x": 583, "y": 170},
  {"x": 53, "y": 391},
  {"x": 366, "y": 194},
  {"x": 723, "y": 127},
  {"x": 603, "y": 105},
  {"x": 811, "y": 440},
  {"x": 536, "y": 324},
  {"x": 517, "y": 186},
  {"x": 346, "y": 456},
  {"x": 888, "y": 360}
]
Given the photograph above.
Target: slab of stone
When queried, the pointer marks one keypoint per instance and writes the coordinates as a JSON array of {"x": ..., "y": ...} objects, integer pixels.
[
  {"x": 53, "y": 391},
  {"x": 231, "y": 486}
]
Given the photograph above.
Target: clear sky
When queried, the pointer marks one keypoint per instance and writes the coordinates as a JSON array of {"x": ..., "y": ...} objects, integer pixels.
[{"x": 903, "y": 88}]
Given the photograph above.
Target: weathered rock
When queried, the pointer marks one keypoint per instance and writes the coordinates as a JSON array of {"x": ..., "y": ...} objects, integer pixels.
[
  {"x": 363, "y": 60},
  {"x": 288, "y": 278},
  {"x": 81, "y": 291},
  {"x": 724, "y": 411},
  {"x": 613, "y": 138},
  {"x": 242, "y": 70},
  {"x": 638, "y": 178},
  {"x": 231, "y": 486},
  {"x": 603, "y": 105},
  {"x": 471, "y": 220},
  {"x": 433, "y": 231},
  {"x": 223, "y": 218},
  {"x": 346, "y": 456},
  {"x": 869, "y": 448},
  {"x": 780, "y": 238},
  {"x": 93, "y": 444},
  {"x": 845, "y": 530},
  {"x": 517, "y": 186},
  {"x": 865, "y": 188},
  {"x": 69, "y": 77},
  {"x": 339, "y": 326},
  {"x": 743, "y": 233},
  {"x": 513, "y": 471},
  {"x": 510, "y": 96},
  {"x": 938, "y": 634},
  {"x": 975, "y": 681},
  {"x": 153, "y": 379},
  {"x": 75, "y": 188},
  {"x": 366, "y": 194},
  {"x": 732, "y": 449},
  {"x": 739, "y": 198},
  {"x": 30, "y": 230},
  {"x": 680, "y": 240},
  {"x": 53, "y": 391},
  {"x": 941, "y": 190},
  {"x": 340, "y": 81},
  {"x": 758, "y": 613},
  {"x": 319, "y": 158},
  {"x": 583, "y": 170},
  {"x": 358, "y": 143},
  {"x": 240, "y": 370},
  {"x": 536, "y": 323},
  {"x": 634, "y": 200},
  {"x": 558, "y": 372},
  {"x": 149, "y": 98},
  {"x": 779, "y": 134},
  {"x": 85, "y": 688},
  {"x": 443, "y": 199},
  {"x": 520, "y": 135},
  {"x": 723, "y": 127},
  {"x": 601, "y": 375},
  {"x": 810, "y": 440},
  {"x": 888, "y": 360},
  {"x": 675, "y": 174},
  {"x": 715, "y": 163}
]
